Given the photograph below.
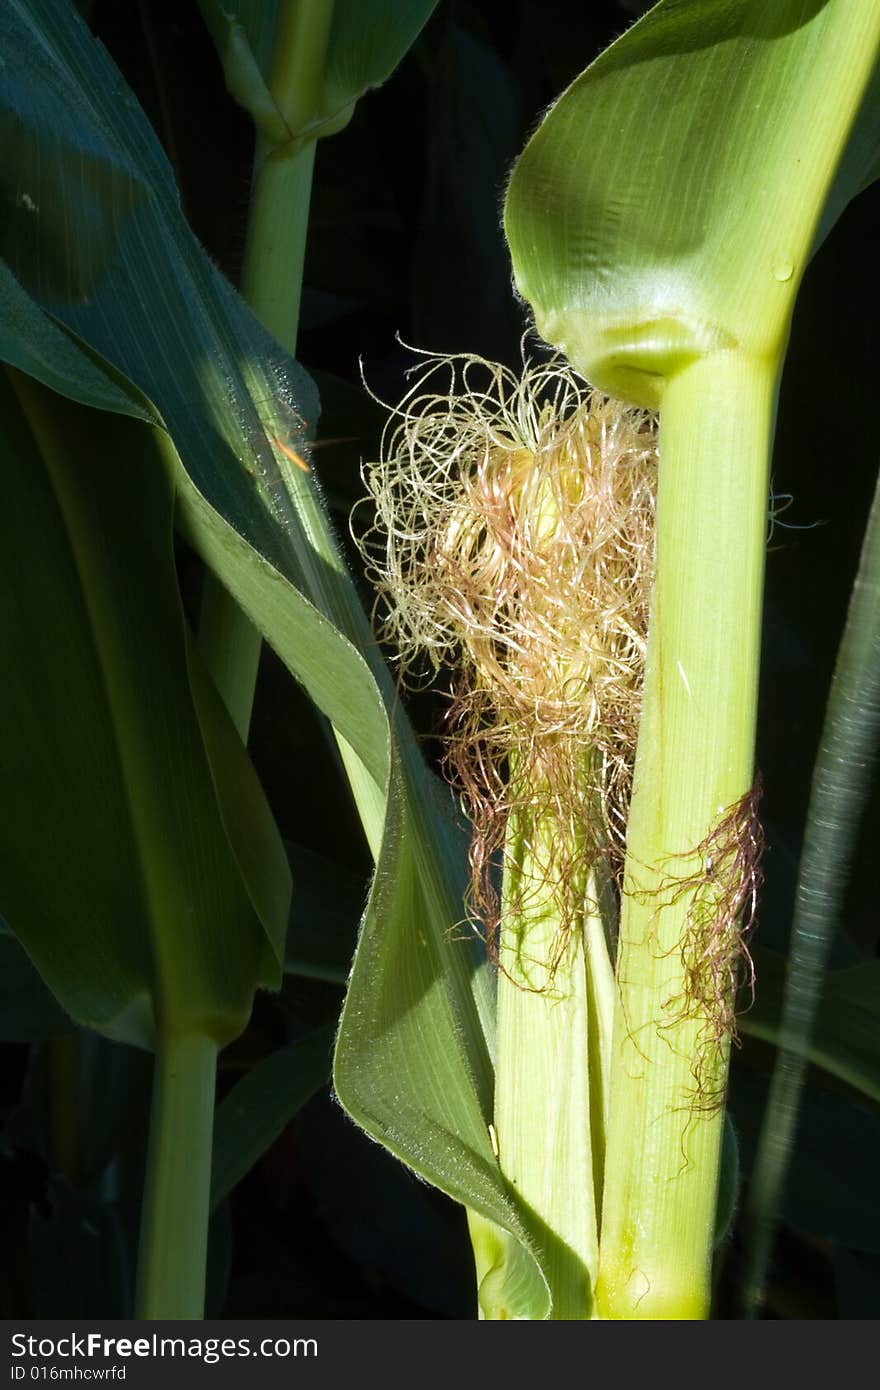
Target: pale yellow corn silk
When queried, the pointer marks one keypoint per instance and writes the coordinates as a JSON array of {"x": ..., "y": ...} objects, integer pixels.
[{"x": 513, "y": 542}]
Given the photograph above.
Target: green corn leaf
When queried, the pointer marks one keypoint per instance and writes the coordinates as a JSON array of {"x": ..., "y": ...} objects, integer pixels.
[
  {"x": 31, "y": 341},
  {"x": 367, "y": 41},
  {"x": 413, "y": 1061},
  {"x": 696, "y": 100},
  {"x": 117, "y": 873}
]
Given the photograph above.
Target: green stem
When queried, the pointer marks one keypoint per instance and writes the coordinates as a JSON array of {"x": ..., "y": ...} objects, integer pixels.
[
  {"x": 276, "y": 240},
  {"x": 272, "y": 285},
  {"x": 174, "y": 1221},
  {"x": 279, "y": 211},
  {"x": 299, "y": 56},
  {"x": 694, "y": 761}
]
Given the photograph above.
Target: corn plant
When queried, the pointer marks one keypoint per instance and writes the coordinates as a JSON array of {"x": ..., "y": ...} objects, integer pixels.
[{"x": 539, "y": 1014}]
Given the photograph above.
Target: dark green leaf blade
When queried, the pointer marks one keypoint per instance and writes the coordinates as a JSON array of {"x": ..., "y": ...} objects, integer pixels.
[
  {"x": 368, "y": 38},
  {"x": 654, "y": 218},
  {"x": 117, "y": 874}
]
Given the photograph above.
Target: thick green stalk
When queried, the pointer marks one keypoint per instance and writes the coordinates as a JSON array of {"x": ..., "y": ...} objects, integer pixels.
[
  {"x": 694, "y": 762},
  {"x": 174, "y": 1219},
  {"x": 660, "y": 221},
  {"x": 272, "y": 285}
]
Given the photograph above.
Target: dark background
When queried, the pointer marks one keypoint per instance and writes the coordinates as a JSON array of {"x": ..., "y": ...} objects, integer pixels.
[{"x": 406, "y": 242}]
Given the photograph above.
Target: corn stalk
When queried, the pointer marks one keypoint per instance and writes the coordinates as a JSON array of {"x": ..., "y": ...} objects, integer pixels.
[{"x": 660, "y": 221}]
